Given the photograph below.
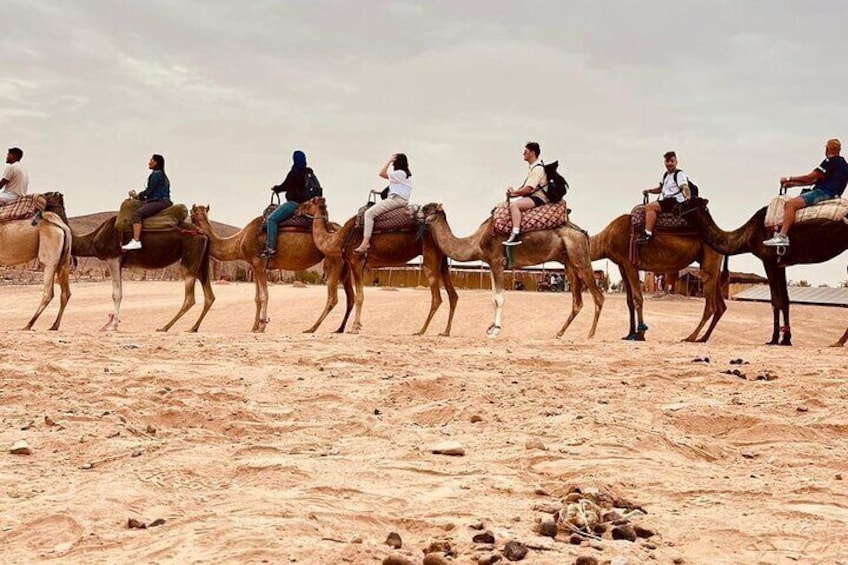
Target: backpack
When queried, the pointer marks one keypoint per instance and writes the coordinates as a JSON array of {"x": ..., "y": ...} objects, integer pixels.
[
  {"x": 557, "y": 185},
  {"x": 311, "y": 187},
  {"x": 694, "y": 191}
]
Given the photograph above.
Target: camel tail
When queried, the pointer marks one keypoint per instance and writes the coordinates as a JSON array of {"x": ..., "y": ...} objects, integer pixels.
[{"x": 53, "y": 218}]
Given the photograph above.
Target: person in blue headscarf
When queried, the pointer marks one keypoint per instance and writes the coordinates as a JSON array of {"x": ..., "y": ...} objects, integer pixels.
[{"x": 296, "y": 193}]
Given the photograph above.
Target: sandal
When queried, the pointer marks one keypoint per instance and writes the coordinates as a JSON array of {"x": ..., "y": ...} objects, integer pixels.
[{"x": 267, "y": 253}]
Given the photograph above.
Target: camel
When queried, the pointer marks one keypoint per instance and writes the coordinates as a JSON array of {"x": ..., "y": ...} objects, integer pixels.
[
  {"x": 567, "y": 244},
  {"x": 667, "y": 251},
  {"x": 47, "y": 239},
  {"x": 295, "y": 252},
  {"x": 811, "y": 242},
  {"x": 387, "y": 250},
  {"x": 160, "y": 249}
]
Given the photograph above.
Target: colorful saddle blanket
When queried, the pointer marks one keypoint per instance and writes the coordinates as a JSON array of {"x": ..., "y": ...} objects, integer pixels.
[
  {"x": 397, "y": 220},
  {"x": 23, "y": 208},
  {"x": 666, "y": 221},
  {"x": 166, "y": 220},
  {"x": 546, "y": 217},
  {"x": 827, "y": 210}
]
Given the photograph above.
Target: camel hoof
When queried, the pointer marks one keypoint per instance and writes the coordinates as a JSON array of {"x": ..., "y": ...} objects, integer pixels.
[
  {"x": 191, "y": 331},
  {"x": 837, "y": 344},
  {"x": 26, "y": 329},
  {"x": 163, "y": 330},
  {"x": 53, "y": 329},
  {"x": 309, "y": 331},
  {"x": 444, "y": 334}
]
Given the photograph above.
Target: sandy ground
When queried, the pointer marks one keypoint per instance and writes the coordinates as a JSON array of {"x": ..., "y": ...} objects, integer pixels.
[{"x": 286, "y": 447}]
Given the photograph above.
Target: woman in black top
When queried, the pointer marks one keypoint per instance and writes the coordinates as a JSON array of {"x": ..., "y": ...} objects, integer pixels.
[
  {"x": 156, "y": 197},
  {"x": 293, "y": 187}
]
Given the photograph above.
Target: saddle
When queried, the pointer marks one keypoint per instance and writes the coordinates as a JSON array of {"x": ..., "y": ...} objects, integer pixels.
[
  {"x": 545, "y": 217},
  {"x": 666, "y": 221},
  {"x": 826, "y": 210},
  {"x": 168, "y": 219},
  {"x": 397, "y": 220},
  {"x": 23, "y": 208}
]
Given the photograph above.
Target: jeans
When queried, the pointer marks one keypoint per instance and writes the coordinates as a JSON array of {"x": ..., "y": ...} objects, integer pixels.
[
  {"x": 390, "y": 203},
  {"x": 281, "y": 214},
  {"x": 815, "y": 196}
]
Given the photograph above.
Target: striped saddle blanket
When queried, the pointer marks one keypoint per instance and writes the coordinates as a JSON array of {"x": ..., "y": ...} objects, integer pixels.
[
  {"x": 397, "y": 220},
  {"x": 23, "y": 208},
  {"x": 666, "y": 221},
  {"x": 827, "y": 210},
  {"x": 166, "y": 220},
  {"x": 546, "y": 217}
]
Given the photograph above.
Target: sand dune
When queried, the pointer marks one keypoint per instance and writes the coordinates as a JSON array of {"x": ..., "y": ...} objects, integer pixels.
[{"x": 284, "y": 447}]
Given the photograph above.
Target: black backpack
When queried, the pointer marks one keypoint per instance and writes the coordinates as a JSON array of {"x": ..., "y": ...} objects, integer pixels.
[
  {"x": 694, "y": 191},
  {"x": 311, "y": 187},
  {"x": 557, "y": 185}
]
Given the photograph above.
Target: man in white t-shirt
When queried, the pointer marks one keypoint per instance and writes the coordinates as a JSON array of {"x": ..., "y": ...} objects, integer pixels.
[
  {"x": 673, "y": 189},
  {"x": 530, "y": 194},
  {"x": 15, "y": 181}
]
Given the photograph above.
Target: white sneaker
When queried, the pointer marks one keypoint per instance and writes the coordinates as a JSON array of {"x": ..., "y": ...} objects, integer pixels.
[
  {"x": 778, "y": 240},
  {"x": 132, "y": 245}
]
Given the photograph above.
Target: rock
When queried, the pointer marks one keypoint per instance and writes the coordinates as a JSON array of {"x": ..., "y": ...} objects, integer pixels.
[
  {"x": 20, "y": 448},
  {"x": 515, "y": 551},
  {"x": 643, "y": 532},
  {"x": 547, "y": 527},
  {"x": 611, "y": 516},
  {"x": 620, "y": 560},
  {"x": 599, "y": 529},
  {"x": 624, "y": 532},
  {"x": 449, "y": 447},
  {"x": 393, "y": 540},
  {"x": 586, "y": 560},
  {"x": 134, "y": 524},
  {"x": 678, "y": 561},
  {"x": 541, "y": 491},
  {"x": 397, "y": 559},
  {"x": 485, "y": 547},
  {"x": 535, "y": 444},
  {"x": 156, "y": 522},
  {"x": 87, "y": 466},
  {"x": 476, "y": 525},
  {"x": 439, "y": 547},
  {"x": 48, "y": 421},
  {"x": 150, "y": 429},
  {"x": 435, "y": 559},
  {"x": 355, "y": 538},
  {"x": 838, "y": 476},
  {"x": 488, "y": 559},
  {"x": 484, "y": 537},
  {"x": 547, "y": 508},
  {"x": 476, "y": 418},
  {"x": 575, "y": 539}
]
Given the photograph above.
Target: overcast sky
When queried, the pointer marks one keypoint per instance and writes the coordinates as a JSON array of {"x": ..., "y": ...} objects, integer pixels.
[{"x": 744, "y": 91}]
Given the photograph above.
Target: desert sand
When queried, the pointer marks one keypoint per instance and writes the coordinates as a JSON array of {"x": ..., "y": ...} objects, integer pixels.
[{"x": 293, "y": 448}]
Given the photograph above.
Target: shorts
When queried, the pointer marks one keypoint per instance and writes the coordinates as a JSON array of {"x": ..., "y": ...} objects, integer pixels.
[
  {"x": 815, "y": 196},
  {"x": 667, "y": 205},
  {"x": 538, "y": 201}
]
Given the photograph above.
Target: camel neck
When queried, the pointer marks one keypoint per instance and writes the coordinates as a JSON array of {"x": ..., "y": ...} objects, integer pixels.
[
  {"x": 222, "y": 248},
  {"x": 727, "y": 243},
  {"x": 329, "y": 243},
  {"x": 457, "y": 248}
]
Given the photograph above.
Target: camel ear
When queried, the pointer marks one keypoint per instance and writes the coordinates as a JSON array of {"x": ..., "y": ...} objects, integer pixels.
[{"x": 440, "y": 208}]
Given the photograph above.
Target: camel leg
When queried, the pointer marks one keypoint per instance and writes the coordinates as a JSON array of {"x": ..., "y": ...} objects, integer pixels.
[
  {"x": 771, "y": 273},
  {"x": 636, "y": 292},
  {"x": 333, "y": 266},
  {"x": 453, "y": 297},
  {"x": 710, "y": 270},
  {"x": 719, "y": 306},
  {"x": 579, "y": 261},
  {"x": 784, "y": 306},
  {"x": 114, "y": 265},
  {"x": 841, "y": 341},
  {"x": 574, "y": 282},
  {"x": 631, "y": 307},
  {"x": 357, "y": 269},
  {"x": 432, "y": 265},
  {"x": 347, "y": 282},
  {"x": 260, "y": 279},
  {"x": 46, "y": 293},
  {"x": 63, "y": 277},
  {"x": 205, "y": 277},
  {"x": 188, "y": 300},
  {"x": 497, "y": 274}
]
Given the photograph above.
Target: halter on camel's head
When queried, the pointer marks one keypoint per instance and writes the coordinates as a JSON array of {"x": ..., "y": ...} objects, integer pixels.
[
  {"x": 315, "y": 208},
  {"x": 428, "y": 212},
  {"x": 199, "y": 212}
]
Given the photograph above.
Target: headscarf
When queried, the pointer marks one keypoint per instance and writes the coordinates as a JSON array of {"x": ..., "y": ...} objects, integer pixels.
[{"x": 299, "y": 160}]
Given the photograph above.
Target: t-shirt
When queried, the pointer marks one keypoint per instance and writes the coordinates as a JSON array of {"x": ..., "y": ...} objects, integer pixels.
[
  {"x": 537, "y": 178},
  {"x": 17, "y": 179},
  {"x": 671, "y": 189},
  {"x": 835, "y": 171},
  {"x": 399, "y": 183}
]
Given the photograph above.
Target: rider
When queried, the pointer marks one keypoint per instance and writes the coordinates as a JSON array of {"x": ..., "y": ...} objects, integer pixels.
[
  {"x": 15, "y": 181},
  {"x": 830, "y": 178},
  {"x": 396, "y": 170},
  {"x": 673, "y": 189},
  {"x": 293, "y": 186},
  {"x": 156, "y": 197},
  {"x": 531, "y": 194}
]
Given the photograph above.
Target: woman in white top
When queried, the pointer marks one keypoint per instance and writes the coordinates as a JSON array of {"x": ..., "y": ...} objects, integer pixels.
[{"x": 400, "y": 189}]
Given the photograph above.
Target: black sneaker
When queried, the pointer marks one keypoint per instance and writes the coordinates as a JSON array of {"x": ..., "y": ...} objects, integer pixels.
[
  {"x": 643, "y": 239},
  {"x": 514, "y": 239},
  {"x": 267, "y": 253}
]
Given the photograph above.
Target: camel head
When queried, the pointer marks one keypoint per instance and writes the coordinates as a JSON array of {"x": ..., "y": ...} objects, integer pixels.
[
  {"x": 429, "y": 212},
  {"x": 314, "y": 207},
  {"x": 199, "y": 213},
  {"x": 55, "y": 202}
]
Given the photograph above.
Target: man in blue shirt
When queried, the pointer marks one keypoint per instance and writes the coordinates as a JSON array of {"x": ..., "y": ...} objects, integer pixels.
[{"x": 830, "y": 179}]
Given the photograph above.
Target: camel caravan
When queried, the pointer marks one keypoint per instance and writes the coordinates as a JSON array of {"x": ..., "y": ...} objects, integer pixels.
[{"x": 531, "y": 227}]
